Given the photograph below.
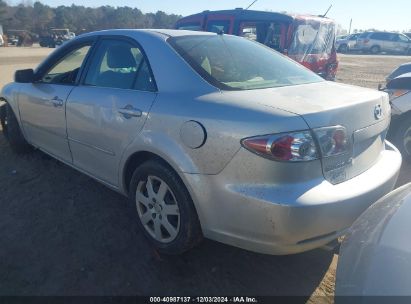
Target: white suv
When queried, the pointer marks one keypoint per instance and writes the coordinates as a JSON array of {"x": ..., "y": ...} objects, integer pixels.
[{"x": 377, "y": 42}]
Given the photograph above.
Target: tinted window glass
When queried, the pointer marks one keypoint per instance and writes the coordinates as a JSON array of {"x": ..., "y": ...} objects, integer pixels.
[
  {"x": 66, "y": 70},
  {"x": 268, "y": 33},
  {"x": 235, "y": 63},
  {"x": 381, "y": 36},
  {"x": 363, "y": 35},
  {"x": 403, "y": 38},
  {"x": 119, "y": 64},
  {"x": 218, "y": 26},
  {"x": 193, "y": 26}
]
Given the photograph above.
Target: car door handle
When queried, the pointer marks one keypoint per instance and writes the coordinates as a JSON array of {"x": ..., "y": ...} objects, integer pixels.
[
  {"x": 129, "y": 111},
  {"x": 57, "y": 102}
]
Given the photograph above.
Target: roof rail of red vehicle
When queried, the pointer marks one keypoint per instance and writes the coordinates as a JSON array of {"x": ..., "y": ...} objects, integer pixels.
[{"x": 241, "y": 14}]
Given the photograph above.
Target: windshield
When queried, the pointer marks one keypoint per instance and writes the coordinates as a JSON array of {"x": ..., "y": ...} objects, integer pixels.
[
  {"x": 312, "y": 37},
  {"x": 234, "y": 63}
]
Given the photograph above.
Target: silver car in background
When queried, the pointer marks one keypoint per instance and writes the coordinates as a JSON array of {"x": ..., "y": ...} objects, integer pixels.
[
  {"x": 208, "y": 135},
  {"x": 347, "y": 44},
  {"x": 375, "y": 256},
  {"x": 387, "y": 42},
  {"x": 399, "y": 91}
]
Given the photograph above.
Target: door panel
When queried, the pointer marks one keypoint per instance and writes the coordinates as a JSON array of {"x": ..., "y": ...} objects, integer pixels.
[
  {"x": 42, "y": 104},
  {"x": 101, "y": 123},
  {"x": 110, "y": 108},
  {"x": 43, "y": 117}
]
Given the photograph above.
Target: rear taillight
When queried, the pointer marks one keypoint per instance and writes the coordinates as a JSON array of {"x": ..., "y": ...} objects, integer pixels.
[
  {"x": 332, "y": 141},
  {"x": 293, "y": 147},
  {"x": 300, "y": 146},
  {"x": 396, "y": 93}
]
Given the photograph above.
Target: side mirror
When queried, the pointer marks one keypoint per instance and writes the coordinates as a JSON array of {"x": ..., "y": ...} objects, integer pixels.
[{"x": 24, "y": 76}]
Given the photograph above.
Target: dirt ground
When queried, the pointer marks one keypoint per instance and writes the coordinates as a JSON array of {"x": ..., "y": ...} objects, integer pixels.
[{"x": 62, "y": 233}]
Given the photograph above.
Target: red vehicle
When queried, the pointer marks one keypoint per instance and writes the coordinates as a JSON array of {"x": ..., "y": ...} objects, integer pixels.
[{"x": 309, "y": 40}]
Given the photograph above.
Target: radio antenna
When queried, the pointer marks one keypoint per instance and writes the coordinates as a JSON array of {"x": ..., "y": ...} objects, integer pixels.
[
  {"x": 251, "y": 4},
  {"x": 327, "y": 11}
]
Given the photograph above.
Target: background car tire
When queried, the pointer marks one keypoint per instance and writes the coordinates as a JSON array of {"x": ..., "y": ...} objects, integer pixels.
[
  {"x": 343, "y": 48},
  {"x": 189, "y": 233},
  {"x": 12, "y": 132},
  {"x": 401, "y": 137},
  {"x": 375, "y": 50}
]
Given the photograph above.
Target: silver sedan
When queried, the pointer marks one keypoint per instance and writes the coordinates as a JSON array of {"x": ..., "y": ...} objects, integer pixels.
[{"x": 208, "y": 135}]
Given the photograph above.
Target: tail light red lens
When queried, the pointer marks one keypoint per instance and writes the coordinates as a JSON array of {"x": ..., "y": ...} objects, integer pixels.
[
  {"x": 293, "y": 147},
  {"x": 332, "y": 141},
  {"x": 300, "y": 146}
]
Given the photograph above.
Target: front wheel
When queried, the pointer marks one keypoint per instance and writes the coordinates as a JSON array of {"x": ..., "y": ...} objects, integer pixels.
[
  {"x": 165, "y": 210},
  {"x": 12, "y": 131},
  {"x": 401, "y": 137}
]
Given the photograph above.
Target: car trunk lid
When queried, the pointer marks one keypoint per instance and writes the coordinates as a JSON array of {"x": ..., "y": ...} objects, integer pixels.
[{"x": 365, "y": 114}]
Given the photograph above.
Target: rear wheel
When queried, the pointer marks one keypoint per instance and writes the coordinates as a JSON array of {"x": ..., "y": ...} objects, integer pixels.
[
  {"x": 165, "y": 211},
  {"x": 12, "y": 132},
  {"x": 402, "y": 137},
  {"x": 375, "y": 49},
  {"x": 343, "y": 48}
]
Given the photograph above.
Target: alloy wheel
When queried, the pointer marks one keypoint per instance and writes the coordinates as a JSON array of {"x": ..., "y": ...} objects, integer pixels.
[{"x": 158, "y": 209}]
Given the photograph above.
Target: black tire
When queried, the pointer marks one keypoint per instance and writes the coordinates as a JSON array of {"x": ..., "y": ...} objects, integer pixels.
[
  {"x": 12, "y": 132},
  {"x": 189, "y": 232},
  {"x": 343, "y": 48},
  {"x": 400, "y": 135},
  {"x": 375, "y": 50}
]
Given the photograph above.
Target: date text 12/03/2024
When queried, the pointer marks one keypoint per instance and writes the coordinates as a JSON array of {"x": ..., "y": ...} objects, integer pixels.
[{"x": 203, "y": 300}]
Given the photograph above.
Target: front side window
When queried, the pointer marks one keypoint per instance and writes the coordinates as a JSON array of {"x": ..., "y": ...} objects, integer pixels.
[
  {"x": 234, "y": 63},
  {"x": 403, "y": 38},
  {"x": 66, "y": 70},
  {"x": 120, "y": 64},
  {"x": 312, "y": 37}
]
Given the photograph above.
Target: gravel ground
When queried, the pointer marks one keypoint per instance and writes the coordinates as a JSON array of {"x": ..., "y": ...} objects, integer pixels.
[{"x": 62, "y": 233}]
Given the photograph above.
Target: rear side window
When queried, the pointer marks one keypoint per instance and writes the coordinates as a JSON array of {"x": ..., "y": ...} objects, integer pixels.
[
  {"x": 234, "y": 63},
  {"x": 120, "y": 64},
  {"x": 218, "y": 26},
  {"x": 191, "y": 26},
  {"x": 381, "y": 36}
]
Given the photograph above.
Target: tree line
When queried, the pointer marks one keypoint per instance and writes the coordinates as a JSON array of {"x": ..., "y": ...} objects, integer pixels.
[{"x": 38, "y": 18}]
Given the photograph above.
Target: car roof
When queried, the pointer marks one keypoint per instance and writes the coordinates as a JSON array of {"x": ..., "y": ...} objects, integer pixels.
[
  {"x": 152, "y": 32},
  {"x": 245, "y": 14}
]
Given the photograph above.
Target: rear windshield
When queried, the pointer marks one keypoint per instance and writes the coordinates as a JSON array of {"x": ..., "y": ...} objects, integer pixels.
[{"x": 234, "y": 63}]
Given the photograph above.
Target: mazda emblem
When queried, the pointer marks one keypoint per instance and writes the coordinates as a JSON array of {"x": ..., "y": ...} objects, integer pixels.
[{"x": 378, "y": 112}]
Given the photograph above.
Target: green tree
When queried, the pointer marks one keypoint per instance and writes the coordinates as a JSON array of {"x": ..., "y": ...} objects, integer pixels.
[
  {"x": 42, "y": 17},
  {"x": 3, "y": 11}
]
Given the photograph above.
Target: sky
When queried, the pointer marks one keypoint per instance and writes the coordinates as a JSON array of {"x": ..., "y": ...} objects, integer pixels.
[{"x": 366, "y": 14}]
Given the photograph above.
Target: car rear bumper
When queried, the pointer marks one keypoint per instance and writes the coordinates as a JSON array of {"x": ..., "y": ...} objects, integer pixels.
[{"x": 288, "y": 218}]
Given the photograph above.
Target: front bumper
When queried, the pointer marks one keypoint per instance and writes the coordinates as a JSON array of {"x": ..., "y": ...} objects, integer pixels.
[{"x": 291, "y": 217}]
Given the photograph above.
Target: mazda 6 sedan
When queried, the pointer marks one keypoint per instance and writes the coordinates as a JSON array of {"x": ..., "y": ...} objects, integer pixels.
[{"x": 208, "y": 135}]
